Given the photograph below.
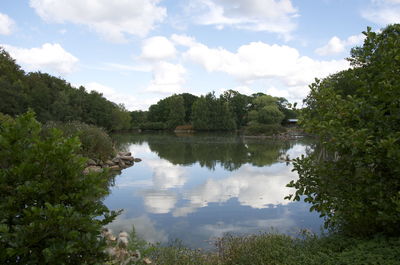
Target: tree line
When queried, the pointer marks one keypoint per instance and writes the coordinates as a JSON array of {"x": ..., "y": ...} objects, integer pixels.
[
  {"x": 54, "y": 99},
  {"x": 231, "y": 110}
]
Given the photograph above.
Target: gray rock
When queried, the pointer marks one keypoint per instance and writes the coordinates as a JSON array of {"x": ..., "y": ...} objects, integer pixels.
[
  {"x": 121, "y": 164},
  {"x": 127, "y": 158},
  {"x": 116, "y": 167},
  {"x": 137, "y": 160},
  {"x": 109, "y": 163},
  {"x": 116, "y": 160},
  {"x": 91, "y": 162},
  {"x": 89, "y": 169},
  {"x": 124, "y": 153}
]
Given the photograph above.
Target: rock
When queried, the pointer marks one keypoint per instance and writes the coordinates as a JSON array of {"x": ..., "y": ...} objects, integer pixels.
[
  {"x": 116, "y": 168},
  {"x": 129, "y": 163},
  {"x": 89, "y": 169},
  {"x": 124, "y": 153},
  {"x": 127, "y": 158},
  {"x": 137, "y": 160},
  {"x": 116, "y": 160},
  {"x": 91, "y": 162},
  {"x": 121, "y": 164},
  {"x": 109, "y": 163}
]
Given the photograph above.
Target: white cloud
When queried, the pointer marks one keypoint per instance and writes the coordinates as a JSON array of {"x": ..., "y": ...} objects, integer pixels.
[
  {"x": 256, "y": 15},
  {"x": 6, "y": 24},
  {"x": 49, "y": 57},
  {"x": 167, "y": 78},
  {"x": 261, "y": 61},
  {"x": 183, "y": 40},
  {"x": 159, "y": 201},
  {"x": 336, "y": 45},
  {"x": 157, "y": 48},
  {"x": 130, "y": 102},
  {"x": 145, "y": 228},
  {"x": 166, "y": 175},
  {"x": 247, "y": 184},
  {"x": 112, "y": 19},
  {"x": 383, "y": 12}
]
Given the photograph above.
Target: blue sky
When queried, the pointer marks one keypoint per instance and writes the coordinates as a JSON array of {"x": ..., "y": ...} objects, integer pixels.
[{"x": 136, "y": 52}]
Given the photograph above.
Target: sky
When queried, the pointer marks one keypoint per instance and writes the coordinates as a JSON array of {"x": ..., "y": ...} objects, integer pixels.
[{"x": 136, "y": 52}]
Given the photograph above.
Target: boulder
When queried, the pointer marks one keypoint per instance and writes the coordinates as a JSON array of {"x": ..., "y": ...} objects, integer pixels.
[
  {"x": 89, "y": 169},
  {"x": 116, "y": 167},
  {"x": 127, "y": 158},
  {"x": 116, "y": 159},
  {"x": 121, "y": 164},
  {"x": 109, "y": 163},
  {"x": 137, "y": 159},
  {"x": 124, "y": 153},
  {"x": 129, "y": 163},
  {"x": 91, "y": 162}
]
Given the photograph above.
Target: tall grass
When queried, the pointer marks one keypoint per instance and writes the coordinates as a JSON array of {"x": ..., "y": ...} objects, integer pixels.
[{"x": 279, "y": 249}]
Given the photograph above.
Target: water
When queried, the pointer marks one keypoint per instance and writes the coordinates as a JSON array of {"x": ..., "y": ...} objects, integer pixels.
[{"x": 198, "y": 187}]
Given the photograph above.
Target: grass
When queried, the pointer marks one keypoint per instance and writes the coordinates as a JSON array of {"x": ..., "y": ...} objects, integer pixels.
[{"x": 277, "y": 249}]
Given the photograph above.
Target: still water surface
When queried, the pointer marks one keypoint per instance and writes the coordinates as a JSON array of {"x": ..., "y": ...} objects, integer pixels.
[{"x": 198, "y": 187}]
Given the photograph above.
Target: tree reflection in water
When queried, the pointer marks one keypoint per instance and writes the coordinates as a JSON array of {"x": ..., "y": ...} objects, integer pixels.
[{"x": 228, "y": 150}]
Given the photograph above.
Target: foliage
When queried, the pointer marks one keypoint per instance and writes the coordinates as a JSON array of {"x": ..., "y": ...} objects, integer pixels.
[
  {"x": 279, "y": 249},
  {"x": 152, "y": 125},
  {"x": 188, "y": 100},
  {"x": 265, "y": 110},
  {"x": 95, "y": 142},
  {"x": 239, "y": 106},
  {"x": 170, "y": 111},
  {"x": 50, "y": 213},
  {"x": 352, "y": 177},
  {"x": 210, "y": 113},
  {"x": 53, "y": 99},
  {"x": 138, "y": 117},
  {"x": 264, "y": 129},
  {"x": 287, "y": 109}
]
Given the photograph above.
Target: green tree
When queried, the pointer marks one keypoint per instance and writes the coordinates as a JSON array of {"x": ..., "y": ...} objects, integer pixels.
[
  {"x": 176, "y": 111},
  {"x": 50, "y": 213},
  {"x": 239, "y": 105},
  {"x": 210, "y": 113},
  {"x": 352, "y": 177},
  {"x": 188, "y": 99},
  {"x": 265, "y": 110}
]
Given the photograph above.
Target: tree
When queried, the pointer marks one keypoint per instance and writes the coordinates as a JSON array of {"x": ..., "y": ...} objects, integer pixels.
[
  {"x": 239, "y": 105},
  {"x": 50, "y": 212},
  {"x": 265, "y": 110},
  {"x": 176, "y": 111},
  {"x": 188, "y": 99},
  {"x": 352, "y": 177},
  {"x": 53, "y": 99},
  {"x": 210, "y": 113}
]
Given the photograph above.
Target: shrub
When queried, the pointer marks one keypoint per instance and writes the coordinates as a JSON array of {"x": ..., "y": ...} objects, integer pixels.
[
  {"x": 155, "y": 125},
  {"x": 352, "y": 177},
  {"x": 95, "y": 142},
  {"x": 255, "y": 128},
  {"x": 50, "y": 213}
]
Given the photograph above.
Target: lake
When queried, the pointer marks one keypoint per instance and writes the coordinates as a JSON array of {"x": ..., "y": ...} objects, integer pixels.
[{"x": 196, "y": 188}]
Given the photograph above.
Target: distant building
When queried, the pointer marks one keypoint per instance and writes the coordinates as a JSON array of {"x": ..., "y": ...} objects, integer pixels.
[{"x": 291, "y": 122}]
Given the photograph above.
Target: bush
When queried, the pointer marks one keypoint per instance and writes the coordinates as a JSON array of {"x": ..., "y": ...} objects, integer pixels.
[
  {"x": 352, "y": 177},
  {"x": 95, "y": 142},
  {"x": 152, "y": 125},
  {"x": 255, "y": 128},
  {"x": 50, "y": 213}
]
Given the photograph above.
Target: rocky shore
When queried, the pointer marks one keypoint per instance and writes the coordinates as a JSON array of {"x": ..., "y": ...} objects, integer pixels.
[{"x": 121, "y": 161}]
